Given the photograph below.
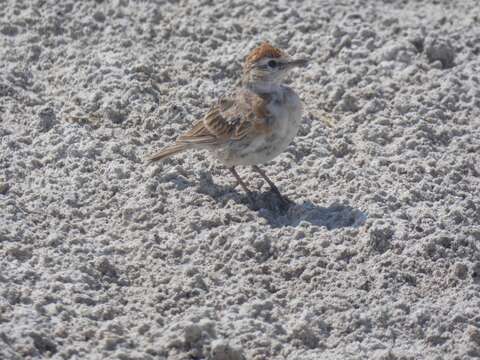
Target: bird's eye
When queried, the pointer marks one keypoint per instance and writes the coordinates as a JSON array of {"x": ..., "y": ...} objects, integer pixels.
[{"x": 272, "y": 63}]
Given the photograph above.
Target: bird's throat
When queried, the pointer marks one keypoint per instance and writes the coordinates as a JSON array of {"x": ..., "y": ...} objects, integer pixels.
[{"x": 262, "y": 87}]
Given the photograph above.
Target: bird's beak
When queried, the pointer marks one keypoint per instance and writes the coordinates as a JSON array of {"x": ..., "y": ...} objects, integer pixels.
[{"x": 296, "y": 63}]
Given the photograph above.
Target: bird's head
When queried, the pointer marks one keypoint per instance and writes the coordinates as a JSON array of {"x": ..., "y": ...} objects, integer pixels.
[{"x": 267, "y": 64}]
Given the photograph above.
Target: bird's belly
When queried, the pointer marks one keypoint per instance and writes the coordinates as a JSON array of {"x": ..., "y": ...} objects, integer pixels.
[{"x": 264, "y": 147}]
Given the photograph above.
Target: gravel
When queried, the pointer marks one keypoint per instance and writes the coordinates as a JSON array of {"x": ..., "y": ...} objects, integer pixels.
[{"x": 104, "y": 256}]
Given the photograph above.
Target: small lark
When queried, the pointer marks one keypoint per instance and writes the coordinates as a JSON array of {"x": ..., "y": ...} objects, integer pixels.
[{"x": 255, "y": 124}]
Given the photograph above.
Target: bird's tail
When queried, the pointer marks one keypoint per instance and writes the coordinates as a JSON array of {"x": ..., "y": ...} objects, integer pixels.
[{"x": 168, "y": 151}]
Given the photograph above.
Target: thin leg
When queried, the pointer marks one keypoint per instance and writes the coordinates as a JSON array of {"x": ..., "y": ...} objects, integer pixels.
[
  {"x": 270, "y": 182},
  {"x": 240, "y": 181}
]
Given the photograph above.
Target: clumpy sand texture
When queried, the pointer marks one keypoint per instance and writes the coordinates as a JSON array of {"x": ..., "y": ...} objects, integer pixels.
[{"x": 104, "y": 256}]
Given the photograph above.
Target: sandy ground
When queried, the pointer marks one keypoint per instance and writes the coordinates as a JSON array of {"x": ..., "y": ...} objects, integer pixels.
[{"x": 103, "y": 256}]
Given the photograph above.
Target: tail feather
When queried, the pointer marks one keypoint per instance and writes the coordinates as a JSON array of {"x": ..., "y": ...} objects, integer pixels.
[{"x": 166, "y": 152}]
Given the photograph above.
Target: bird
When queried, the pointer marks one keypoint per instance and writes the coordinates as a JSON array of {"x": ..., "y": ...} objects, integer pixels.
[{"x": 254, "y": 123}]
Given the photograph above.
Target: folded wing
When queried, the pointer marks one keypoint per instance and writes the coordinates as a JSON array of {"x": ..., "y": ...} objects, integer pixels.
[{"x": 231, "y": 118}]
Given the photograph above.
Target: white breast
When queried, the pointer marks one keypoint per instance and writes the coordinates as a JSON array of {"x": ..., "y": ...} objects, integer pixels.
[
  {"x": 286, "y": 110},
  {"x": 288, "y": 115}
]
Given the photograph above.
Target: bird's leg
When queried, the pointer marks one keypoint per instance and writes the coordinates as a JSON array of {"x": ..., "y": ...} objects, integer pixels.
[
  {"x": 240, "y": 181},
  {"x": 272, "y": 185}
]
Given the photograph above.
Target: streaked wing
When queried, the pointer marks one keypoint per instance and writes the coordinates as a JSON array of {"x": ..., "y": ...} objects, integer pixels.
[{"x": 232, "y": 118}]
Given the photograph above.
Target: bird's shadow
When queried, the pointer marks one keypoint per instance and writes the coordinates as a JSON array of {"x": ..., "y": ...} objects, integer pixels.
[
  {"x": 278, "y": 214},
  {"x": 334, "y": 216}
]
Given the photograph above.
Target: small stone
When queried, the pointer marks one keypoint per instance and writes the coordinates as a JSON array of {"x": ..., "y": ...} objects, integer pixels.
[
  {"x": 440, "y": 50},
  {"x": 222, "y": 350},
  {"x": 476, "y": 271},
  {"x": 262, "y": 245},
  {"x": 191, "y": 270},
  {"x": 142, "y": 329},
  {"x": 197, "y": 282},
  {"x": 418, "y": 41},
  {"x": 473, "y": 334},
  {"x": 9, "y": 30},
  {"x": 304, "y": 332},
  {"x": 120, "y": 173},
  {"x": 349, "y": 103},
  {"x": 4, "y": 187},
  {"x": 193, "y": 333},
  {"x": 99, "y": 16},
  {"x": 460, "y": 270},
  {"x": 47, "y": 119},
  {"x": 380, "y": 237},
  {"x": 43, "y": 344},
  {"x": 106, "y": 268}
]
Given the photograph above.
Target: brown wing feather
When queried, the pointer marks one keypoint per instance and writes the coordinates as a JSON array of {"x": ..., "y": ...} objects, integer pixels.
[{"x": 231, "y": 119}]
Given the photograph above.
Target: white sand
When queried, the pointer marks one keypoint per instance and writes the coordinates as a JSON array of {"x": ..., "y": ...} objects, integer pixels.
[{"x": 103, "y": 256}]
